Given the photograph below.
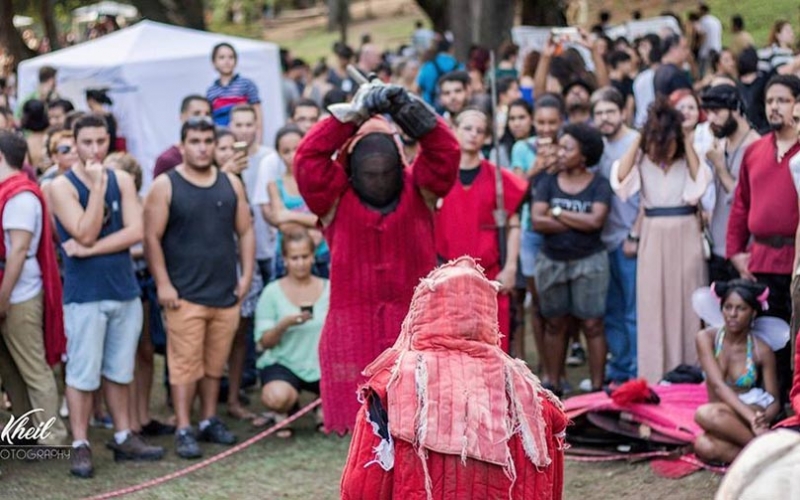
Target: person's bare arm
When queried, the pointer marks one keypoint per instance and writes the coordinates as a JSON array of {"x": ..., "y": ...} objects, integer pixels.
[
  {"x": 272, "y": 337},
  {"x": 156, "y": 215},
  {"x": 508, "y": 274},
  {"x": 769, "y": 375},
  {"x": 117, "y": 241},
  {"x": 83, "y": 225},
  {"x": 276, "y": 213},
  {"x": 15, "y": 259},
  {"x": 543, "y": 68},
  {"x": 628, "y": 160},
  {"x": 247, "y": 237},
  {"x": 692, "y": 161},
  {"x": 543, "y": 222},
  {"x": 259, "y": 123},
  {"x": 586, "y": 222}
]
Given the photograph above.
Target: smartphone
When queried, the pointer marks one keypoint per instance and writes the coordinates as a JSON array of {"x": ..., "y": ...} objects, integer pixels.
[
  {"x": 308, "y": 309},
  {"x": 240, "y": 146}
]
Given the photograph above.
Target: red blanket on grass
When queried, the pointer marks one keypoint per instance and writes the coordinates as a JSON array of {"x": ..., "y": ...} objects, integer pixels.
[{"x": 673, "y": 417}]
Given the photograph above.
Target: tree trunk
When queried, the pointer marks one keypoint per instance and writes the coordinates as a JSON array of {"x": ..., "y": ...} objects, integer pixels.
[
  {"x": 480, "y": 22},
  {"x": 544, "y": 13},
  {"x": 193, "y": 14},
  {"x": 48, "y": 19},
  {"x": 156, "y": 11},
  {"x": 10, "y": 37},
  {"x": 339, "y": 17},
  {"x": 438, "y": 11}
]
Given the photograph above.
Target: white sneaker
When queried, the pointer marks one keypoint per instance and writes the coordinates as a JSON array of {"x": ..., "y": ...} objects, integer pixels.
[
  {"x": 585, "y": 385},
  {"x": 64, "y": 410}
]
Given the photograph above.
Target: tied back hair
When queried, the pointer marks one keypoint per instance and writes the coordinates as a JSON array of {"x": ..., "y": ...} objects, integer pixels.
[{"x": 753, "y": 293}]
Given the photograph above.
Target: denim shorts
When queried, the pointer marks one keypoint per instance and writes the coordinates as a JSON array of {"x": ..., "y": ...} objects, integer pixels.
[
  {"x": 528, "y": 251},
  {"x": 573, "y": 287},
  {"x": 102, "y": 338}
]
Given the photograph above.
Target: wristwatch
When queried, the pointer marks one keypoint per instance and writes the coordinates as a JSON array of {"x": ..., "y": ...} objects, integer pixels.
[
  {"x": 556, "y": 211},
  {"x": 633, "y": 238}
]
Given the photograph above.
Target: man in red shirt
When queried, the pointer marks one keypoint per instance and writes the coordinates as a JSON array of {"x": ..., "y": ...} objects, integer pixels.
[
  {"x": 465, "y": 222},
  {"x": 765, "y": 208}
]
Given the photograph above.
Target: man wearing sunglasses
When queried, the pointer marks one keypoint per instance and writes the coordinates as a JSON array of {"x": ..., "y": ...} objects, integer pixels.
[{"x": 98, "y": 218}]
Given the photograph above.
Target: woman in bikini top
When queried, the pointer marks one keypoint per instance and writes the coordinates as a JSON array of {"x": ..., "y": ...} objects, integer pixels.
[{"x": 741, "y": 404}]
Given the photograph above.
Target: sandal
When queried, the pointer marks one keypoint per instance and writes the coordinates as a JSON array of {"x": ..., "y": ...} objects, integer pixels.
[
  {"x": 264, "y": 420},
  {"x": 241, "y": 413},
  {"x": 319, "y": 421}
]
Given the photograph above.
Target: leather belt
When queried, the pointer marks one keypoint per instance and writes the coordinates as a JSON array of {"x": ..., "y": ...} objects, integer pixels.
[
  {"x": 775, "y": 241},
  {"x": 670, "y": 211}
]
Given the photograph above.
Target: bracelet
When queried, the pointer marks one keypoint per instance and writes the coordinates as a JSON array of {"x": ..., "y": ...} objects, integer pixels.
[{"x": 632, "y": 237}]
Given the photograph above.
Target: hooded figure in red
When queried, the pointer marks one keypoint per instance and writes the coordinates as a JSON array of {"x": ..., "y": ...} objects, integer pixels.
[
  {"x": 447, "y": 414},
  {"x": 377, "y": 217}
]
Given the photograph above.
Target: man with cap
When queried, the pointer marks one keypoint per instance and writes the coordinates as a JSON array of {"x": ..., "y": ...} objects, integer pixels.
[
  {"x": 577, "y": 95},
  {"x": 732, "y": 135},
  {"x": 377, "y": 216}
]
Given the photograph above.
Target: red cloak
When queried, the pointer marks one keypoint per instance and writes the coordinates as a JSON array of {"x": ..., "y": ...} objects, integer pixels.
[
  {"x": 55, "y": 342},
  {"x": 376, "y": 259},
  {"x": 465, "y": 225},
  {"x": 462, "y": 419}
]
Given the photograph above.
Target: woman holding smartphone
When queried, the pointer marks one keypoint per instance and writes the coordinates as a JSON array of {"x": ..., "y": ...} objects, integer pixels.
[{"x": 289, "y": 319}]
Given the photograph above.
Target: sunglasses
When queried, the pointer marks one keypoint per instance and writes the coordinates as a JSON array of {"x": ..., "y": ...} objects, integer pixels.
[
  {"x": 63, "y": 149},
  {"x": 200, "y": 120}
]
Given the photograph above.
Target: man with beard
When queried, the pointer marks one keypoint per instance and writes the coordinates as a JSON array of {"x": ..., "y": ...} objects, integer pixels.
[
  {"x": 454, "y": 93},
  {"x": 733, "y": 135},
  {"x": 197, "y": 221},
  {"x": 576, "y": 98},
  {"x": 620, "y": 236},
  {"x": 765, "y": 209},
  {"x": 377, "y": 216}
]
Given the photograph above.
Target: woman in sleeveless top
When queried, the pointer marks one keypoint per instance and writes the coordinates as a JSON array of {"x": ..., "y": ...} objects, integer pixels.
[
  {"x": 287, "y": 209},
  {"x": 662, "y": 164},
  {"x": 740, "y": 375}
]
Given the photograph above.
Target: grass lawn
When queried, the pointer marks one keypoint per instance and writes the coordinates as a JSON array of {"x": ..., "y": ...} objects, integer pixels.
[{"x": 308, "y": 466}]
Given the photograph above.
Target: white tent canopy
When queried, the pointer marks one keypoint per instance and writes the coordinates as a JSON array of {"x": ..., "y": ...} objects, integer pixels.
[{"x": 149, "y": 68}]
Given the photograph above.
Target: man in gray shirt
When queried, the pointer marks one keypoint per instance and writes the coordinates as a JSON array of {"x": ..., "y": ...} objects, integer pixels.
[
  {"x": 733, "y": 135},
  {"x": 620, "y": 239}
]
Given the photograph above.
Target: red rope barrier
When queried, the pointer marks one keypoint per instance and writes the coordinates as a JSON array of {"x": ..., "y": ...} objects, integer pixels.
[{"x": 208, "y": 461}]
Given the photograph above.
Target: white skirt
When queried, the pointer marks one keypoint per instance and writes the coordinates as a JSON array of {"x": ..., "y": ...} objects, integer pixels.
[{"x": 757, "y": 396}]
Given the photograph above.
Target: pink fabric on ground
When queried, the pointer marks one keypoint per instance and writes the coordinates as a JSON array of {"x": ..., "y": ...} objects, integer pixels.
[{"x": 674, "y": 416}]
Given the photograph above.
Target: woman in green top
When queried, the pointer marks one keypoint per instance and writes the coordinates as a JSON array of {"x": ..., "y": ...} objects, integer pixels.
[{"x": 289, "y": 319}]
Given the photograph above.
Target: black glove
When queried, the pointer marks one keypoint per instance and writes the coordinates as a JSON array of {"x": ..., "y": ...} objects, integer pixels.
[
  {"x": 412, "y": 115},
  {"x": 380, "y": 99}
]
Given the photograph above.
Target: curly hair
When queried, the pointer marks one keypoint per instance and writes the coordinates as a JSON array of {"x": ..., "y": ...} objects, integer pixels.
[
  {"x": 663, "y": 127},
  {"x": 589, "y": 140}
]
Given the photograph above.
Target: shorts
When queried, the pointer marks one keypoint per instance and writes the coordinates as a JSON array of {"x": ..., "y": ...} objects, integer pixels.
[
  {"x": 528, "y": 251},
  {"x": 102, "y": 338},
  {"x": 275, "y": 372},
  {"x": 199, "y": 340},
  {"x": 573, "y": 287},
  {"x": 758, "y": 397}
]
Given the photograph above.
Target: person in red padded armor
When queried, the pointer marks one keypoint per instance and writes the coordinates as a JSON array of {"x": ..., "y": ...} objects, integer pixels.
[
  {"x": 377, "y": 216},
  {"x": 447, "y": 414}
]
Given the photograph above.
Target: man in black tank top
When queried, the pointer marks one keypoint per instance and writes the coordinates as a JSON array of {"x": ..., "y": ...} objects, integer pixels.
[{"x": 197, "y": 223}]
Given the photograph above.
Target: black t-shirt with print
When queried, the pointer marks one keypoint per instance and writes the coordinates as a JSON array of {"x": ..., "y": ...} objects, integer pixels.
[{"x": 573, "y": 244}]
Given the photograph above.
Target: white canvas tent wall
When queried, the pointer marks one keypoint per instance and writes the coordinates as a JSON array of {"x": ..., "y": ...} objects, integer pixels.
[{"x": 149, "y": 68}]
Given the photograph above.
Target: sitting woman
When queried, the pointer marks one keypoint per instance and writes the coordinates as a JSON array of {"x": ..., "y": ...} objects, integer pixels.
[
  {"x": 289, "y": 319},
  {"x": 740, "y": 375}
]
